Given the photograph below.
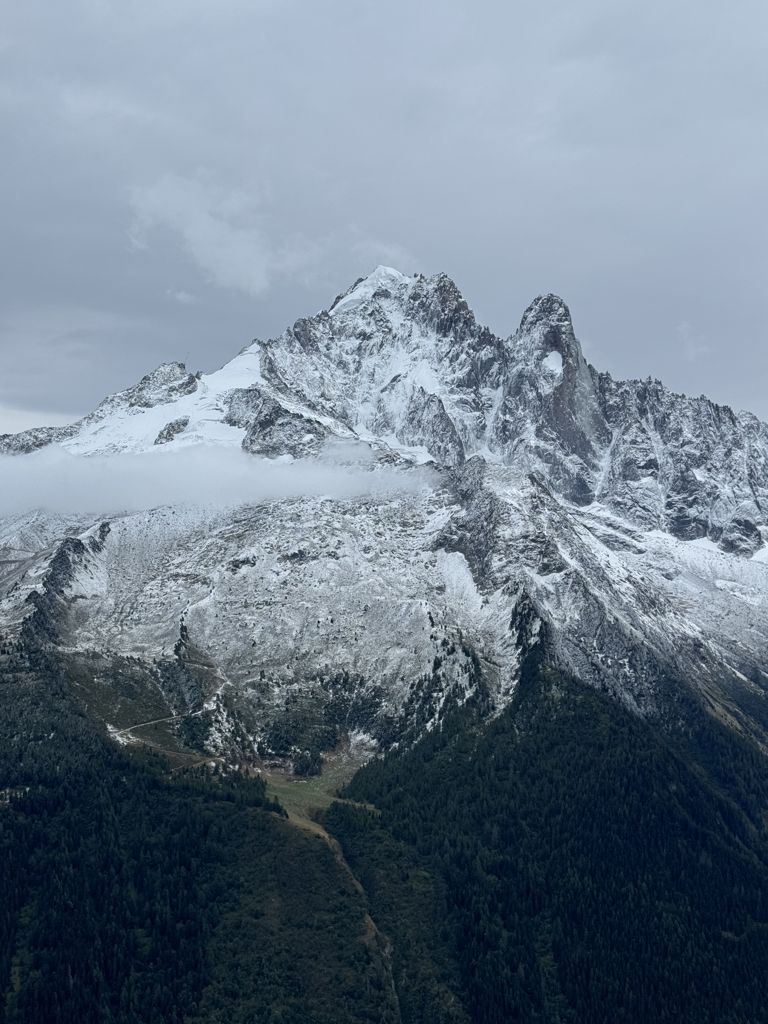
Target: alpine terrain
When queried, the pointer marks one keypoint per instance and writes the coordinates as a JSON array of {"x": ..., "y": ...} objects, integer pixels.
[{"x": 524, "y": 601}]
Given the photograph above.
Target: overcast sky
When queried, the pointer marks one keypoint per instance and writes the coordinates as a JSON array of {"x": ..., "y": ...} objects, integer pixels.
[{"x": 181, "y": 176}]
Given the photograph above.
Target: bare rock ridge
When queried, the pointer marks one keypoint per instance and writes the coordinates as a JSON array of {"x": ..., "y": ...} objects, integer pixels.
[{"x": 613, "y": 527}]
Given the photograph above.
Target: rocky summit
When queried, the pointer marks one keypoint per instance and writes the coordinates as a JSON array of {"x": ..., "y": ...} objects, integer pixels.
[{"x": 507, "y": 498}]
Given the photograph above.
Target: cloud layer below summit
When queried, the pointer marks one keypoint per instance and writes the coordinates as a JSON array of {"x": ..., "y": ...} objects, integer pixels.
[{"x": 56, "y": 481}]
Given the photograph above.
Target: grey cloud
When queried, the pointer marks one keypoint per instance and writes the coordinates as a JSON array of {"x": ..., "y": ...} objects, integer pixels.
[
  {"x": 15, "y": 420},
  {"x": 215, "y": 226},
  {"x": 221, "y": 233},
  {"x": 267, "y": 154}
]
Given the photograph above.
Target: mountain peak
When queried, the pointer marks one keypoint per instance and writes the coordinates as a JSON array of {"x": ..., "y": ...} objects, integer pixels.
[
  {"x": 166, "y": 382},
  {"x": 437, "y": 302},
  {"x": 546, "y": 309},
  {"x": 380, "y": 283},
  {"x": 546, "y": 329}
]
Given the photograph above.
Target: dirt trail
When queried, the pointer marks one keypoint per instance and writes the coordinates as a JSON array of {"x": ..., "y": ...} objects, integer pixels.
[{"x": 156, "y": 721}]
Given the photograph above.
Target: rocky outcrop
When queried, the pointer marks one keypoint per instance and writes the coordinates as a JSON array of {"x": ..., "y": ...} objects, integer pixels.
[
  {"x": 685, "y": 465},
  {"x": 31, "y": 440},
  {"x": 164, "y": 384},
  {"x": 172, "y": 429},
  {"x": 273, "y": 430}
]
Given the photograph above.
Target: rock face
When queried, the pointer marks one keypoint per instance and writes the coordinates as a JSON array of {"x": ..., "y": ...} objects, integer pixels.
[
  {"x": 271, "y": 429},
  {"x": 170, "y": 430},
  {"x": 535, "y": 502},
  {"x": 685, "y": 465}
]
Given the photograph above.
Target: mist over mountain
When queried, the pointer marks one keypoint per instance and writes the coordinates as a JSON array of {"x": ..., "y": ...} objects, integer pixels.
[{"x": 55, "y": 480}]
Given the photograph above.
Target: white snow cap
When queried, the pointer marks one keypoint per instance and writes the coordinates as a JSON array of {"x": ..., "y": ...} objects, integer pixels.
[{"x": 364, "y": 289}]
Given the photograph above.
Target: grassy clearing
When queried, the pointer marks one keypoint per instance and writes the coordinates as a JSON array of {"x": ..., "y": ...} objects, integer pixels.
[{"x": 303, "y": 798}]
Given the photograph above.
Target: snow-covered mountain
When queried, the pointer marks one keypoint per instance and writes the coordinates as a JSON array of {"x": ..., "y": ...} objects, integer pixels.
[{"x": 615, "y": 527}]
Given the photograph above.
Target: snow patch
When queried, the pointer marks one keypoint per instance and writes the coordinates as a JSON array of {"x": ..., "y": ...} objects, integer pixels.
[
  {"x": 553, "y": 362},
  {"x": 460, "y": 587}
]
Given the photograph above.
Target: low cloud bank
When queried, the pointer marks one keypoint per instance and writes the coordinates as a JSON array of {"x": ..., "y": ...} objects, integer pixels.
[{"x": 57, "y": 481}]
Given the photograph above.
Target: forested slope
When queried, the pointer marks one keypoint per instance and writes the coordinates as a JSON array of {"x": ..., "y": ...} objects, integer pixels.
[
  {"x": 134, "y": 896},
  {"x": 592, "y": 867},
  {"x": 565, "y": 862}
]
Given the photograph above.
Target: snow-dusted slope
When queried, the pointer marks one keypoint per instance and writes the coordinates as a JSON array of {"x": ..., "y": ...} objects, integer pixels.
[
  {"x": 615, "y": 526},
  {"x": 401, "y": 362}
]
